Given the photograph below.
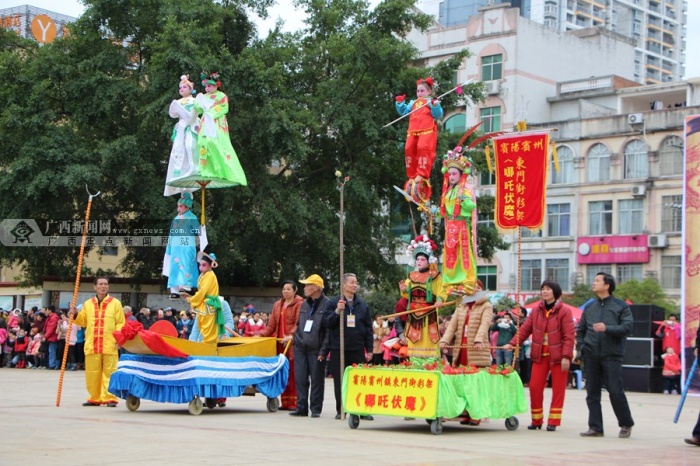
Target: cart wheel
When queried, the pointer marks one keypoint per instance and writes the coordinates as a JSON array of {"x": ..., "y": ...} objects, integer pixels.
[
  {"x": 210, "y": 403},
  {"x": 512, "y": 423},
  {"x": 436, "y": 427},
  {"x": 196, "y": 406},
  {"x": 132, "y": 403},
  {"x": 273, "y": 404},
  {"x": 353, "y": 421}
]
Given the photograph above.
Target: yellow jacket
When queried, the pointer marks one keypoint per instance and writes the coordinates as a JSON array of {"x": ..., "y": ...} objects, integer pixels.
[
  {"x": 99, "y": 322},
  {"x": 207, "y": 285}
]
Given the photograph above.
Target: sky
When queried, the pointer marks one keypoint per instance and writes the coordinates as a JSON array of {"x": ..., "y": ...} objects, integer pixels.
[{"x": 294, "y": 20}]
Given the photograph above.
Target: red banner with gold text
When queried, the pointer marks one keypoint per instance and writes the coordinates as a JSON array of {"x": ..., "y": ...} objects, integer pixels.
[{"x": 521, "y": 179}]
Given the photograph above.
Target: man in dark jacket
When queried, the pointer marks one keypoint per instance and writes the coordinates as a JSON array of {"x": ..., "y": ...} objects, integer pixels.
[
  {"x": 601, "y": 338},
  {"x": 357, "y": 324},
  {"x": 310, "y": 349}
]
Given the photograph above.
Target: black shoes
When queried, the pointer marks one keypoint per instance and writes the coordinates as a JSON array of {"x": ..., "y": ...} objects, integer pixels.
[
  {"x": 315, "y": 414},
  {"x": 591, "y": 433},
  {"x": 367, "y": 418},
  {"x": 87, "y": 403},
  {"x": 551, "y": 428},
  {"x": 111, "y": 404},
  {"x": 533, "y": 427},
  {"x": 298, "y": 414},
  {"x": 625, "y": 432},
  {"x": 692, "y": 441},
  {"x": 337, "y": 416}
]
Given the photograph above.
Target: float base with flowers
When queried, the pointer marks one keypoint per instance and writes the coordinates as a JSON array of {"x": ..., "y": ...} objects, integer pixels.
[{"x": 427, "y": 389}]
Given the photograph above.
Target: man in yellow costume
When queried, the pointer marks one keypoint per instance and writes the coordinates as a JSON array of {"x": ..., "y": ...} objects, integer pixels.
[
  {"x": 423, "y": 288},
  {"x": 205, "y": 302},
  {"x": 100, "y": 316}
]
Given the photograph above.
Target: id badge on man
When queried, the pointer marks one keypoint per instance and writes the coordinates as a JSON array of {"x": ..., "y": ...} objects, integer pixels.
[
  {"x": 308, "y": 325},
  {"x": 351, "y": 320}
]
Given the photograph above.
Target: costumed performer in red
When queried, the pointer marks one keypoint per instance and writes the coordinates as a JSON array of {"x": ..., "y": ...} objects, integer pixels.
[
  {"x": 100, "y": 316},
  {"x": 423, "y": 288},
  {"x": 282, "y": 324},
  {"x": 421, "y": 138}
]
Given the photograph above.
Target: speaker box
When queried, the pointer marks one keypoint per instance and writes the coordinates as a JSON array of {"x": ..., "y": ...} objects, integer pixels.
[
  {"x": 643, "y": 379},
  {"x": 643, "y": 352},
  {"x": 647, "y": 312},
  {"x": 643, "y": 329}
]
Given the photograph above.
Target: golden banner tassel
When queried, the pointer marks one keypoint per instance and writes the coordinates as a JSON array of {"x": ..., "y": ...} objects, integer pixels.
[
  {"x": 487, "y": 151},
  {"x": 554, "y": 156}
]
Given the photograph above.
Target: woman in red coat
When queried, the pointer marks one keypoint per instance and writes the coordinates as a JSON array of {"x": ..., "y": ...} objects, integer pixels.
[
  {"x": 553, "y": 338},
  {"x": 282, "y": 324}
]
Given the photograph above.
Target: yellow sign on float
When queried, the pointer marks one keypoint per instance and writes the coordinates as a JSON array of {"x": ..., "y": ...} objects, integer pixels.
[{"x": 405, "y": 393}]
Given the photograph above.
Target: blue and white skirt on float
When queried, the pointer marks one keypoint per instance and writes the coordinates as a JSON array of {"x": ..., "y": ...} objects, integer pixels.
[{"x": 179, "y": 380}]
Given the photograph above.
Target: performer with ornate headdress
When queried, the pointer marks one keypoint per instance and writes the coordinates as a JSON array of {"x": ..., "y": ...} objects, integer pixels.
[
  {"x": 180, "y": 262},
  {"x": 205, "y": 303},
  {"x": 458, "y": 209},
  {"x": 183, "y": 156},
  {"x": 421, "y": 139},
  {"x": 423, "y": 288}
]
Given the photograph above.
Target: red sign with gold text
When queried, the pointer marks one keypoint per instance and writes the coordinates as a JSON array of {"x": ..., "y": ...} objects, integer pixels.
[
  {"x": 521, "y": 179},
  {"x": 406, "y": 393}
]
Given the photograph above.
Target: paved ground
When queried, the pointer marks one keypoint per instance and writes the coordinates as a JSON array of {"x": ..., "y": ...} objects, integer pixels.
[{"x": 36, "y": 432}]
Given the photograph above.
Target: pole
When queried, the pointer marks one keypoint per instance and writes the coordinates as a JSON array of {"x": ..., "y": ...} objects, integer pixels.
[
  {"x": 76, "y": 287},
  {"x": 688, "y": 380},
  {"x": 341, "y": 188}
]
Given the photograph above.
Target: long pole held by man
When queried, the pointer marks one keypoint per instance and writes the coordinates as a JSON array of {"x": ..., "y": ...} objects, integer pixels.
[{"x": 341, "y": 188}]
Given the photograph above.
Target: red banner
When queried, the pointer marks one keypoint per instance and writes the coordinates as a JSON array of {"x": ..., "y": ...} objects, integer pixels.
[{"x": 521, "y": 179}]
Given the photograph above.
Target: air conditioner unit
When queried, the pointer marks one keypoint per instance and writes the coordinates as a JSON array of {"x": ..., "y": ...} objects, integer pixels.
[
  {"x": 657, "y": 241},
  {"x": 639, "y": 191},
  {"x": 493, "y": 87},
  {"x": 635, "y": 118}
]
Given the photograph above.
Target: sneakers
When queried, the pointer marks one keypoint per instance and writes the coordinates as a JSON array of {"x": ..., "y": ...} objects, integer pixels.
[{"x": 625, "y": 432}]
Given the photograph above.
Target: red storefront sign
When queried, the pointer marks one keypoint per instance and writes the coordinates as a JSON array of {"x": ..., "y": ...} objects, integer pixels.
[
  {"x": 521, "y": 179},
  {"x": 612, "y": 249}
]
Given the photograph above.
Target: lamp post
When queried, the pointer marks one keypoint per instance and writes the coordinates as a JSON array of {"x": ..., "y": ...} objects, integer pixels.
[{"x": 341, "y": 188}]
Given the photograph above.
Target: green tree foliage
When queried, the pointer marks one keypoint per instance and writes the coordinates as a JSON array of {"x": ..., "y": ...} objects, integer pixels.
[
  {"x": 505, "y": 304},
  {"x": 580, "y": 294},
  {"x": 91, "y": 109},
  {"x": 647, "y": 291}
]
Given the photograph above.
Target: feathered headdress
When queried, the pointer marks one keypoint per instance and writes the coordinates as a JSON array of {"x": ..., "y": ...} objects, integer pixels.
[{"x": 422, "y": 245}]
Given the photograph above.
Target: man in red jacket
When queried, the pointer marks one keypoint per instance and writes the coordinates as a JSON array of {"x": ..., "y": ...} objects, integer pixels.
[{"x": 51, "y": 336}]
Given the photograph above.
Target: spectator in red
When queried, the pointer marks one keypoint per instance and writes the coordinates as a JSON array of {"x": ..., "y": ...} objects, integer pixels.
[
  {"x": 670, "y": 332},
  {"x": 51, "y": 336}
]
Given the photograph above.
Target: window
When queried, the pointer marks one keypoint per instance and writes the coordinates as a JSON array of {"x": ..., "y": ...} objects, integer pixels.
[
  {"x": 671, "y": 156},
  {"x": 486, "y": 219},
  {"x": 631, "y": 216},
  {"x": 487, "y": 178},
  {"x": 492, "y": 67},
  {"x": 593, "y": 270},
  {"x": 527, "y": 233},
  {"x": 456, "y": 124},
  {"x": 558, "y": 220},
  {"x": 671, "y": 213},
  {"x": 636, "y": 160},
  {"x": 488, "y": 274},
  {"x": 558, "y": 270},
  {"x": 598, "y": 163},
  {"x": 671, "y": 272},
  {"x": 629, "y": 272},
  {"x": 530, "y": 275},
  {"x": 566, "y": 166},
  {"x": 600, "y": 217},
  {"x": 492, "y": 119}
]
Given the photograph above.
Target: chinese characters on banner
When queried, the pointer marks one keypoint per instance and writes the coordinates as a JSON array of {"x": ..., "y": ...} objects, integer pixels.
[
  {"x": 390, "y": 392},
  {"x": 521, "y": 179}
]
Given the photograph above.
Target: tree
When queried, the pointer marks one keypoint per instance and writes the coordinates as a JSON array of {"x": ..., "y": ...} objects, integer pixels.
[
  {"x": 647, "y": 291},
  {"x": 580, "y": 294},
  {"x": 310, "y": 103}
]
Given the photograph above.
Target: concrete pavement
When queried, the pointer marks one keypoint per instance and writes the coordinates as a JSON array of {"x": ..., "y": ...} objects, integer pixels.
[{"x": 35, "y": 431}]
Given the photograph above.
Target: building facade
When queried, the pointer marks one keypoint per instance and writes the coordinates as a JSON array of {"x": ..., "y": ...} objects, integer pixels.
[
  {"x": 657, "y": 27},
  {"x": 34, "y": 23}
]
